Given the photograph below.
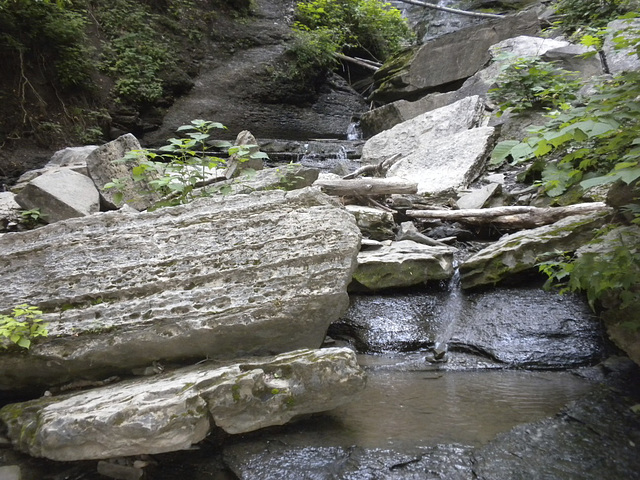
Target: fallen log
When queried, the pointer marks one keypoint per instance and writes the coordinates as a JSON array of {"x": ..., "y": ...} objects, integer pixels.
[
  {"x": 513, "y": 216},
  {"x": 366, "y": 186},
  {"x": 451, "y": 10},
  {"x": 357, "y": 61}
]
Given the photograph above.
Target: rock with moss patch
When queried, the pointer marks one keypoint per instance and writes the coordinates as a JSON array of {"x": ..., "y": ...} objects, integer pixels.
[
  {"x": 522, "y": 251},
  {"x": 402, "y": 264},
  {"x": 177, "y": 409},
  {"x": 221, "y": 277}
]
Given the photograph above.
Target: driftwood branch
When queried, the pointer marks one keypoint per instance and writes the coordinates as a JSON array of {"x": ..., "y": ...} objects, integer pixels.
[
  {"x": 379, "y": 169},
  {"x": 452, "y": 10},
  {"x": 511, "y": 217},
  {"x": 357, "y": 61},
  {"x": 366, "y": 186}
]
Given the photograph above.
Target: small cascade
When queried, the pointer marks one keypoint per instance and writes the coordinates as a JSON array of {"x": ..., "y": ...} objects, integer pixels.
[
  {"x": 452, "y": 309},
  {"x": 354, "y": 132}
]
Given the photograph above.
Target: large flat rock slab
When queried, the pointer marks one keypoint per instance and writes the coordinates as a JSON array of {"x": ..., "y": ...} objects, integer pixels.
[
  {"x": 402, "y": 264},
  {"x": 175, "y": 410},
  {"x": 242, "y": 275}
]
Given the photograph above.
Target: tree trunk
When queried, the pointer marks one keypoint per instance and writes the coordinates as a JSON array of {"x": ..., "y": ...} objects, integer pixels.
[
  {"x": 366, "y": 186},
  {"x": 511, "y": 217}
]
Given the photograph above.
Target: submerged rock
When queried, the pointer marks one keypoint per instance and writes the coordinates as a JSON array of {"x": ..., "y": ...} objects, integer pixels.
[
  {"x": 175, "y": 410},
  {"x": 241, "y": 275},
  {"x": 259, "y": 460},
  {"x": 593, "y": 439}
]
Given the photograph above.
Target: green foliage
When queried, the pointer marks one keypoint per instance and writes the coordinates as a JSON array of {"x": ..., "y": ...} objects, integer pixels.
[
  {"x": 354, "y": 27},
  {"x": 587, "y": 16},
  {"x": 49, "y": 32},
  {"x": 531, "y": 83},
  {"x": 22, "y": 325},
  {"x": 606, "y": 275},
  {"x": 368, "y": 26},
  {"x": 183, "y": 165},
  {"x": 32, "y": 218}
]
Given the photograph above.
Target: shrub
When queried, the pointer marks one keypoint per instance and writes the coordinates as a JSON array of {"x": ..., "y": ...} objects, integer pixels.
[
  {"x": 530, "y": 82},
  {"x": 23, "y": 325}
]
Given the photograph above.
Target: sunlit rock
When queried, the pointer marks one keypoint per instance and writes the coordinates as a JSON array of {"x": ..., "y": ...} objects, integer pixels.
[
  {"x": 446, "y": 163},
  {"x": 60, "y": 194},
  {"x": 402, "y": 264},
  {"x": 175, "y": 410},
  {"x": 374, "y": 223},
  {"x": 405, "y": 137}
]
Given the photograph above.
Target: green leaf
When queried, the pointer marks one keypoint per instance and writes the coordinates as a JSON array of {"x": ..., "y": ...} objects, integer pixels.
[
  {"x": 502, "y": 150},
  {"x": 24, "y": 342}
]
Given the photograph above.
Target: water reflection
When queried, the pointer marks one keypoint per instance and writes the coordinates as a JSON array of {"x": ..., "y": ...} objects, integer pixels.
[{"x": 405, "y": 409}]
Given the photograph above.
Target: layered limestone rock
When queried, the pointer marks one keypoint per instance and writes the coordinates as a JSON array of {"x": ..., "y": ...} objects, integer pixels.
[
  {"x": 523, "y": 250},
  {"x": 447, "y": 163},
  {"x": 175, "y": 410},
  {"x": 226, "y": 276},
  {"x": 402, "y": 264}
]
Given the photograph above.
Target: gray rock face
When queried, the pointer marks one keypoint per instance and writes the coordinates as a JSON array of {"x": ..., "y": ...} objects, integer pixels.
[
  {"x": 402, "y": 264},
  {"x": 374, "y": 223},
  {"x": 449, "y": 58},
  {"x": 71, "y": 156},
  {"x": 571, "y": 58},
  {"x": 60, "y": 194},
  {"x": 247, "y": 274},
  {"x": 175, "y": 410},
  {"x": 521, "y": 251},
  {"x": 9, "y": 210},
  {"x": 102, "y": 170},
  {"x": 619, "y": 60},
  {"x": 443, "y": 163},
  {"x": 406, "y": 137},
  {"x": 479, "y": 198}
]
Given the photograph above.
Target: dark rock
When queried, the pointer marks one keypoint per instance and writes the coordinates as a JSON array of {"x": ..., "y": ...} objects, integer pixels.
[{"x": 593, "y": 439}]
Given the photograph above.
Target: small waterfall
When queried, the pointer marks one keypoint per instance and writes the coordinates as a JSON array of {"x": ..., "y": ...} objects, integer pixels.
[
  {"x": 354, "y": 132},
  {"x": 451, "y": 311}
]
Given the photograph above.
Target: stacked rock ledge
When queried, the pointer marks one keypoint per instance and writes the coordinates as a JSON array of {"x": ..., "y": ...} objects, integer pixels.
[{"x": 254, "y": 274}]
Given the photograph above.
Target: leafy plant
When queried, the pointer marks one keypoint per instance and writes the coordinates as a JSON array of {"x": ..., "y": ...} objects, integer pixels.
[
  {"x": 32, "y": 217},
  {"x": 23, "y": 325},
  {"x": 584, "y": 16},
  {"x": 184, "y": 164},
  {"x": 608, "y": 276},
  {"x": 530, "y": 82}
]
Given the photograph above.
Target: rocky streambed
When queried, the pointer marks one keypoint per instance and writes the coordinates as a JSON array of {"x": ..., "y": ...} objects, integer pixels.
[{"x": 192, "y": 342}]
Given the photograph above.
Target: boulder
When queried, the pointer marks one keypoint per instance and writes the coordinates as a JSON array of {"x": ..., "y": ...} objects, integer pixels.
[
  {"x": 60, "y": 194},
  {"x": 480, "y": 197},
  {"x": 234, "y": 165},
  {"x": 9, "y": 211},
  {"x": 522, "y": 251},
  {"x": 444, "y": 163},
  {"x": 527, "y": 328},
  {"x": 405, "y": 137},
  {"x": 374, "y": 223},
  {"x": 223, "y": 276},
  {"x": 447, "y": 59},
  {"x": 572, "y": 58},
  {"x": 620, "y": 60},
  {"x": 177, "y": 409},
  {"x": 103, "y": 170},
  {"x": 402, "y": 264},
  {"x": 387, "y": 116},
  {"x": 71, "y": 156}
]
